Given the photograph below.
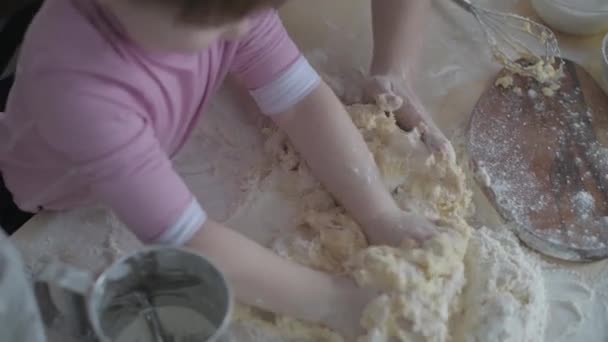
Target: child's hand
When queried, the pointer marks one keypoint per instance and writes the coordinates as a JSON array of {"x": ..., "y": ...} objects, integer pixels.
[
  {"x": 394, "y": 228},
  {"x": 399, "y": 97},
  {"x": 348, "y": 309}
]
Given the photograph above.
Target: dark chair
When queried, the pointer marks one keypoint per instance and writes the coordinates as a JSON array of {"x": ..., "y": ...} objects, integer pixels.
[{"x": 11, "y": 36}]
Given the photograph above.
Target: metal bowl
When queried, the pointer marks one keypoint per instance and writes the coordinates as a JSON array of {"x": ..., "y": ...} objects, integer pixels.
[{"x": 605, "y": 57}]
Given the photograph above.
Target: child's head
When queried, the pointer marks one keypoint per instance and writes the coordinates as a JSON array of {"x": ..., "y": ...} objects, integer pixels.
[{"x": 185, "y": 25}]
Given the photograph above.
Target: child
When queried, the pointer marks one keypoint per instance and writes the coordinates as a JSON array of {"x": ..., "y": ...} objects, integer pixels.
[{"x": 107, "y": 91}]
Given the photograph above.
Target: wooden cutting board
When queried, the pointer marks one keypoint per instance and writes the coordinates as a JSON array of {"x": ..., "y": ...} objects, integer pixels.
[{"x": 543, "y": 162}]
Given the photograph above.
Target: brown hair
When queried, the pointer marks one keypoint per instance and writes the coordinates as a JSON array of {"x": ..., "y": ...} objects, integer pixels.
[
  {"x": 9, "y": 7},
  {"x": 214, "y": 12}
]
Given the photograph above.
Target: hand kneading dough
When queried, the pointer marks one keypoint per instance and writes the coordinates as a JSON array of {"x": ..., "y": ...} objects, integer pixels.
[{"x": 420, "y": 286}]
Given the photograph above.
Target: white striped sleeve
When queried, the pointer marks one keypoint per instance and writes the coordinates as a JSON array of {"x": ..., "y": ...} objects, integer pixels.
[
  {"x": 186, "y": 226},
  {"x": 294, "y": 84}
]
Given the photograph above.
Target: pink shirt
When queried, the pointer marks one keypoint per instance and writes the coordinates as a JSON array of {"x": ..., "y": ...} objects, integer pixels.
[{"x": 94, "y": 119}]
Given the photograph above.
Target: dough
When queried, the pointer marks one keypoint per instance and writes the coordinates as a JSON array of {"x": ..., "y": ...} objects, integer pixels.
[
  {"x": 504, "y": 82},
  {"x": 551, "y": 89},
  {"x": 544, "y": 73},
  {"x": 542, "y": 70},
  {"x": 419, "y": 285},
  {"x": 421, "y": 288}
]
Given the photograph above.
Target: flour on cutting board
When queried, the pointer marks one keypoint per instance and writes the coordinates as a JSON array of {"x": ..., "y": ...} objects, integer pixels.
[
  {"x": 576, "y": 304},
  {"x": 532, "y": 198},
  {"x": 584, "y": 204}
]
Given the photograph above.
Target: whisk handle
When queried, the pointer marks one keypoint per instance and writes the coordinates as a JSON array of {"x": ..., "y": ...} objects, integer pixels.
[{"x": 465, "y": 4}]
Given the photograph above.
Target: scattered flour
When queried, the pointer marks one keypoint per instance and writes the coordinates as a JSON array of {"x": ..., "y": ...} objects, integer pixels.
[
  {"x": 19, "y": 314},
  {"x": 583, "y": 204},
  {"x": 504, "y": 299}
]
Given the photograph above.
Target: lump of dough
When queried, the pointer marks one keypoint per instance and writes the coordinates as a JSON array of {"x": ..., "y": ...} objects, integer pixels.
[
  {"x": 420, "y": 286},
  {"x": 504, "y": 82}
]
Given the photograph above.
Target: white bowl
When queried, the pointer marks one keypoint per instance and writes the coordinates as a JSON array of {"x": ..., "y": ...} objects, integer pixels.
[{"x": 580, "y": 17}]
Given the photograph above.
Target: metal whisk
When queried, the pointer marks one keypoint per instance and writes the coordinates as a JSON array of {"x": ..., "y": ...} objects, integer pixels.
[{"x": 500, "y": 29}]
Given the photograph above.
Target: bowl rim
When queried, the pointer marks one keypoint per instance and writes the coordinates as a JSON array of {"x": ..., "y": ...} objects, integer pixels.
[
  {"x": 605, "y": 49},
  {"x": 586, "y": 11}
]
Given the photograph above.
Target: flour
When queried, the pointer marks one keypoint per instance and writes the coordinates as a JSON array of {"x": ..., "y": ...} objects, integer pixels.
[
  {"x": 504, "y": 299},
  {"x": 19, "y": 313},
  {"x": 583, "y": 204},
  {"x": 578, "y": 310},
  {"x": 180, "y": 323},
  {"x": 66, "y": 233}
]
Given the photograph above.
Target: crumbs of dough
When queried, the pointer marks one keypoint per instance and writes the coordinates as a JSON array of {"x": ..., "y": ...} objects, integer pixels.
[
  {"x": 505, "y": 82},
  {"x": 542, "y": 70},
  {"x": 550, "y": 90},
  {"x": 518, "y": 91}
]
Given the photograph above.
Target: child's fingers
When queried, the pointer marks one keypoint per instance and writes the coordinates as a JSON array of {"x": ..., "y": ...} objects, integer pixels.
[{"x": 389, "y": 102}]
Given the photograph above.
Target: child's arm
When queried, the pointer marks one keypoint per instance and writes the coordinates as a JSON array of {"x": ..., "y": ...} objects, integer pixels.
[
  {"x": 115, "y": 152},
  {"x": 324, "y": 134},
  {"x": 260, "y": 278},
  {"x": 398, "y": 32},
  {"x": 289, "y": 90}
]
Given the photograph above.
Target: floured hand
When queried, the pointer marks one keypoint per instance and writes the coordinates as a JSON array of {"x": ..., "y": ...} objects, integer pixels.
[
  {"x": 347, "y": 311},
  {"x": 436, "y": 141},
  {"x": 391, "y": 96},
  {"x": 395, "y": 228}
]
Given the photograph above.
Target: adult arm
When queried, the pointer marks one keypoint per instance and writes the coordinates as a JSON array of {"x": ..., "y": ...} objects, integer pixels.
[{"x": 398, "y": 34}]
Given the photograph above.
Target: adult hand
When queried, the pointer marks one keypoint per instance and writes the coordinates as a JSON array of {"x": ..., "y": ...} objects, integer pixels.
[
  {"x": 400, "y": 98},
  {"x": 396, "y": 227}
]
